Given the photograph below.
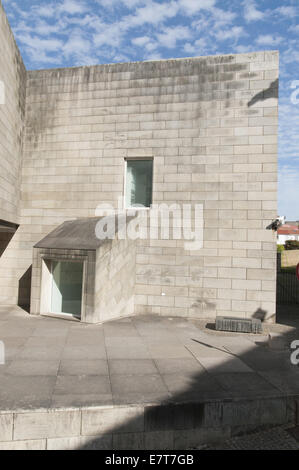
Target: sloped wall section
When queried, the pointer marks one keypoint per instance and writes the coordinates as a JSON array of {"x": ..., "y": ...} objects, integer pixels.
[
  {"x": 12, "y": 121},
  {"x": 12, "y": 125},
  {"x": 115, "y": 280}
]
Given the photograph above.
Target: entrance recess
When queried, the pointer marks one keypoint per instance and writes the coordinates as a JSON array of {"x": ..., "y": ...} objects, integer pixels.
[{"x": 67, "y": 281}]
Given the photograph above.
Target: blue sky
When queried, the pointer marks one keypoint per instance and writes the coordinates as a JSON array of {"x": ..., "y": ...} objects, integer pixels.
[{"x": 86, "y": 32}]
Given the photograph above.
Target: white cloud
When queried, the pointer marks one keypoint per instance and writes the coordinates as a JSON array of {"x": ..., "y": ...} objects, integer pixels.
[
  {"x": 36, "y": 43},
  {"x": 222, "y": 17},
  {"x": 288, "y": 126},
  {"x": 268, "y": 40},
  {"x": 21, "y": 12},
  {"x": 287, "y": 11},
  {"x": 151, "y": 46},
  {"x": 76, "y": 46},
  {"x": 153, "y": 13},
  {"x": 294, "y": 29},
  {"x": 290, "y": 56},
  {"x": 140, "y": 41},
  {"x": 153, "y": 56},
  {"x": 108, "y": 35},
  {"x": 288, "y": 192},
  {"x": 73, "y": 7},
  {"x": 132, "y": 3},
  {"x": 189, "y": 48},
  {"x": 193, "y": 6},
  {"x": 288, "y": 174},
  {"x": 199, "y": 47},
  {"x": 110, "y": 4},
  {"x": 241, "y": 48},
  {"x": 45, "y": 10},
  {"x": 170, "y": 36},
  {"x": 234, "y": 33},
  {"x": 251, "y": 13}
]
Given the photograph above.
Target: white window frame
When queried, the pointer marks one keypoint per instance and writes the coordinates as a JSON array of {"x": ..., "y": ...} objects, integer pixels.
[
  {"x": 47, "y": 285},
  {"x": 125, "y": 182}
]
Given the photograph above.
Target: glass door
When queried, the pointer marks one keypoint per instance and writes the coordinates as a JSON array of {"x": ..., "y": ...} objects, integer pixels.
[{"x": 67, "y": 281}]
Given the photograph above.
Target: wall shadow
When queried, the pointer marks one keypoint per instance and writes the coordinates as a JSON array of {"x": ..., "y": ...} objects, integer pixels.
[
  {"x": 24, "y": 291},
  {"x": 271, "y": 92},
  {"x": 7, "y": 231},
  {"x": 260, "y": 314}
]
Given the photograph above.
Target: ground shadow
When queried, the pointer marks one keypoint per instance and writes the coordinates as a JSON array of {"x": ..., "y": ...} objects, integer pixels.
[
  {"x": 287, "y": 314},
  {"x": 188, "y": 410}
]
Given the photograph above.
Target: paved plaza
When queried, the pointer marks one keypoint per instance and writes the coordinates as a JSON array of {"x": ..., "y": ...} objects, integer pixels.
[{"x": 53, "y": 363}]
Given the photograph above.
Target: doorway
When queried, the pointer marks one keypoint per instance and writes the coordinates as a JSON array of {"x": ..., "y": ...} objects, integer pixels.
[{"x": 67, "y": 282}]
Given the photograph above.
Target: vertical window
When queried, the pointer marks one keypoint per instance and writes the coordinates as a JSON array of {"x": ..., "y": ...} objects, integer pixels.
[{"x": 139, "y": 183}]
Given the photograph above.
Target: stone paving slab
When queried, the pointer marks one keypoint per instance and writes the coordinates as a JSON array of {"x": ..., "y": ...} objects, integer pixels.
[{"x": 57, "y": 363}]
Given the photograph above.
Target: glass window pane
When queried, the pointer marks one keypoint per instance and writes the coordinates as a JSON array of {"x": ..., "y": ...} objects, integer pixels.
[
  {"x": 67, "y": 287},
  {"x": 139, "y": 182}
]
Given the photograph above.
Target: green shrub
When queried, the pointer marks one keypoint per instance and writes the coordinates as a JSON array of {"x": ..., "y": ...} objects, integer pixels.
[
  {"x": 280, "y": 248},
  {"x": 292, "y": 245}
]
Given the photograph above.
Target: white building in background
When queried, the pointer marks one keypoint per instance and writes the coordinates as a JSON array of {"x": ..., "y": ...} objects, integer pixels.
[{"x": 287, "y": 232}]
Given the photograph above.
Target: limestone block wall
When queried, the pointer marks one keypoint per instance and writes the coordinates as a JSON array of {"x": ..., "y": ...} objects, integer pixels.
[
  {"x": 12, "y": 114},
  {"x": 209, "y": 123},
  {"x": 218, "y": 147},
  {"x": 115, "y": 280},
  {"x": 12, "y": 125}
]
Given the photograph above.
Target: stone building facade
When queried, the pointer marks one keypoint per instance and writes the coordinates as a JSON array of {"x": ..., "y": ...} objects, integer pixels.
[{"x": 209, "y": 126}]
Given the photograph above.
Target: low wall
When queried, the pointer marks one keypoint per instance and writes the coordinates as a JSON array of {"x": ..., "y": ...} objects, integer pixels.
[
  {"x": 289, "y": 258},
  {"x": 177, "y": 426}
]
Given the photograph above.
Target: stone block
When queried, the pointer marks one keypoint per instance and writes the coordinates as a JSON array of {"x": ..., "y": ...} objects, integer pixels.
[
  {"x": 128, "y": 441},
  {"x": 98, "y": 442},
  {"x": 37, "y": 444},
  {"x": 38, "y": 425},
  {"x": 6, "y": 426},
  {"x": 158, "y": 440},
  {"x": 112, "y": 420}
]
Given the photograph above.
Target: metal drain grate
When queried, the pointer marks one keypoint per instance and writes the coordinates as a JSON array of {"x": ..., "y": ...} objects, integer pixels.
[{"x": 240, "y": 325}]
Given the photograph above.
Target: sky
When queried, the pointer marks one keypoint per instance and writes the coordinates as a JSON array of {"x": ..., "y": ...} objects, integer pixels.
[{"x": 88, "y": 32}]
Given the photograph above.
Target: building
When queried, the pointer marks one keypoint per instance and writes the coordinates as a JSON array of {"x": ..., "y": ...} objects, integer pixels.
[
  {"x": 287, "y": 232},
  {"x": 197, "y": 131}
]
